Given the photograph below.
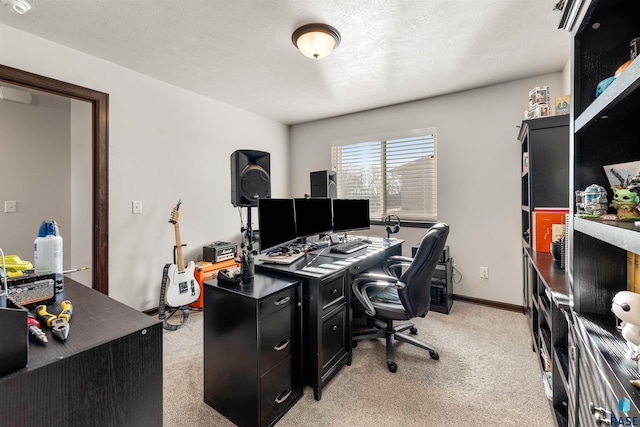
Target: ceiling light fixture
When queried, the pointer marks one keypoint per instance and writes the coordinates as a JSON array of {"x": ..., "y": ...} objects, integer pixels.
[
  {"x": 18, "y": 6},
  {"x": 316, "y": 41}
]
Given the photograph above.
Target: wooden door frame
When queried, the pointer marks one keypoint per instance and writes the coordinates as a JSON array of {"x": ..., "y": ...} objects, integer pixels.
[{"x": 100, "y": 159}]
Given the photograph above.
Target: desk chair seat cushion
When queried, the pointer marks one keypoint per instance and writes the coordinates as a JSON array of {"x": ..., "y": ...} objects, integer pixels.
[{"x": 387, "y": 304}]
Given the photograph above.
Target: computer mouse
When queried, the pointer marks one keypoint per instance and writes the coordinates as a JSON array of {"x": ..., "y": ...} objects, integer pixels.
[{"x": 367, "y": 241}]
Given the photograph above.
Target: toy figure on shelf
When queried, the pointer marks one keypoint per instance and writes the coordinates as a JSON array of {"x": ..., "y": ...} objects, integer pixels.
[
  {"x": 626, "y": 307},
  {"x": 625, "y": 201},
  {"x": 592, "y": 202}
]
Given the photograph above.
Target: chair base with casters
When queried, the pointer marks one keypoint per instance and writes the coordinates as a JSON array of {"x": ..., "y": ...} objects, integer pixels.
[
  {"x": 396, "y": 296},
  {"x": 391, "y": 334}
]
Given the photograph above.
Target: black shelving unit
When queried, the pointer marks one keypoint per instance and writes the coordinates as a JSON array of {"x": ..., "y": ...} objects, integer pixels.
[
  {"x": 604, "y": 133},
  {"x": 441, "y": 284},
  {"x": 545, "y": 183}
]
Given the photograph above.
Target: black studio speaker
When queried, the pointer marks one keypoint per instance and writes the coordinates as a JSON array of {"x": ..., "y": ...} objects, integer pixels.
[
  {"x": 250, "y": 179},
  {"x": 324, "y": 184}
]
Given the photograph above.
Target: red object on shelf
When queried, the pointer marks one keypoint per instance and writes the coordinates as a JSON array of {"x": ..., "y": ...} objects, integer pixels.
[{"x": 543, "y": 220}]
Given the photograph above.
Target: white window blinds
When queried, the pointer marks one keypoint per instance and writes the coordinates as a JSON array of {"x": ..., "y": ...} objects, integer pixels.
[{"x": 398, "y": 176}]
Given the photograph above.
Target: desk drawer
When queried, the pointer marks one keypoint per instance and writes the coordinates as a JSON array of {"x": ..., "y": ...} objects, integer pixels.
[
  {"x": 333, "y": 338},
  {"x": 278, "y": 390},
  {"x": 278, "y": 301},
  {"x": 333, "y": 292},
  {"x": 277, "y": 338}
]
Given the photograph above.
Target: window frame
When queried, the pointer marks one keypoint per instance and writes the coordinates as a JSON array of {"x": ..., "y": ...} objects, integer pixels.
[{"x": 382, "y": 138}]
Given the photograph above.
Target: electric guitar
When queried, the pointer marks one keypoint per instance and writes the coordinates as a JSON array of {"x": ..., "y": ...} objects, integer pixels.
[{"x": 182, "y": 288}]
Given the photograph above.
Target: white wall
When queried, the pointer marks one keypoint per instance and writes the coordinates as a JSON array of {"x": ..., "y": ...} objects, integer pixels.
[
  {"x": 165, "y": 144},
  {"x": 478, "y": 174},
  {"x": 34, "y": 172}
]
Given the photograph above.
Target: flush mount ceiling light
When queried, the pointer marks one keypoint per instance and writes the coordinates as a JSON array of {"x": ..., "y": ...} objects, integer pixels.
[
  {"x": 18, "y": 6},
  {"x": 315, "y": 41}
]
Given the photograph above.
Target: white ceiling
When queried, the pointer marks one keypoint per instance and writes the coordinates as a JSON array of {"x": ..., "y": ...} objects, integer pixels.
[{"x": 240, "y": 51}]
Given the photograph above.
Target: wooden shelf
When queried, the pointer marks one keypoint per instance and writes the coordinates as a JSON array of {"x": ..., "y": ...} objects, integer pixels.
[{"x": 622, "y": 234}]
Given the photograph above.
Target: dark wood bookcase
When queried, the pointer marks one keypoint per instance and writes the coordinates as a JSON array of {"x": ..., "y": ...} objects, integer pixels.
[
  {"x": 604, "y": 133},
  {"x": 545, "y": 183}
]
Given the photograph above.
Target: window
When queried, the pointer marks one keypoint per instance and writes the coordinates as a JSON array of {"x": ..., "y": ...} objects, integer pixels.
[{"x": 398, "y": 176}]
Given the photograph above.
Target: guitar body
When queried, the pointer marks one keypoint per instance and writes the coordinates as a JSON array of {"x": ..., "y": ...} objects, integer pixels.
[{"x": 182, "y": 287}]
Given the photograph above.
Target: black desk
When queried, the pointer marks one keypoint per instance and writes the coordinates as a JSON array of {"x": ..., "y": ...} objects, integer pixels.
[
  {"x": 326, "y": 295},
  {"x": 107, "y": 373}
]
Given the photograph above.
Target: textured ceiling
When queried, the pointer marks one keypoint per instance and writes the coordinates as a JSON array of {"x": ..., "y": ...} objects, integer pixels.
[{"x": 240, "y": 51}]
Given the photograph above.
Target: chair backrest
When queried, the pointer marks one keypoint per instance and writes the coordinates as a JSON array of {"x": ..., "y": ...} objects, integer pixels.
[{"x": 416, "y": 296}]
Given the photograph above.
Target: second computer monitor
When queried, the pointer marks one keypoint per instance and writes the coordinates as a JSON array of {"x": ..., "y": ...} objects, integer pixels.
[
  {"x": 313, "y": 216},
  {"x": 350, "y": 214}
]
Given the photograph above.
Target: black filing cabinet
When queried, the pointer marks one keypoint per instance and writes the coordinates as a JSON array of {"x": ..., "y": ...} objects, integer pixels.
[{"x": 252, "y": 349}]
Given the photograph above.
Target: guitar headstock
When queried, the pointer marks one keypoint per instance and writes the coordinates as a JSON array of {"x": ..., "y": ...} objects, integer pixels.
[{"x": 174, "y": 213}]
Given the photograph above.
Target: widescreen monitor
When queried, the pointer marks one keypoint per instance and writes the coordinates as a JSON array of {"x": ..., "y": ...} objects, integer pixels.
[
  {"x": 313, "y": 216},
  {"x": 276, "y": 222},
  {"x": 350, "y": 214}
]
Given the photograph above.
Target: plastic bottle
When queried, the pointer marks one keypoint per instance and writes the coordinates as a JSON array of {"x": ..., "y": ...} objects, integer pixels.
[{"x": 47, "y": 257}]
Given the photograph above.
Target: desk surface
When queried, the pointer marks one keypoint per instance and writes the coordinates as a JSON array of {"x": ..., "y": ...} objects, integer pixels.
[
  {"x": 322, "y": 262},
  {"x": 96, "y": 319}
]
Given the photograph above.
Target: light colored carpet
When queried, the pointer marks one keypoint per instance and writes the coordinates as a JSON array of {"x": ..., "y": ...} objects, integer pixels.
[{"x": 487, "y": 375}]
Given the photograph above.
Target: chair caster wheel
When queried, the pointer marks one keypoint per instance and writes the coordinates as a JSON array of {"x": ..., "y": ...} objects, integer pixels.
[
  {"x": 413, "y": 330},
  {"x": 434, "y": 355},
  {"x": 392, "y": 367},
  {"x": 354, "y": 344}
]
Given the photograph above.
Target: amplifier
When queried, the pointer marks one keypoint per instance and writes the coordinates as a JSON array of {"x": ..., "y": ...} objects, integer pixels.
[
  {"x": 33, "y": 288},
  {"x": 219, "y": 251}
]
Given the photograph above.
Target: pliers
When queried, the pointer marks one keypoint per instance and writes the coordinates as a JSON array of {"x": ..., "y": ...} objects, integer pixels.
[{"x": 59, "y": 324}]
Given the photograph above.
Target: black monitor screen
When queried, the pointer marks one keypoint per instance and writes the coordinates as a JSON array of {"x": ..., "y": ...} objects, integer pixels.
[
  {"x": 313, "y": 216},
  {"x": 276, "y": 222},
  {"x": 350, "y": 214}
]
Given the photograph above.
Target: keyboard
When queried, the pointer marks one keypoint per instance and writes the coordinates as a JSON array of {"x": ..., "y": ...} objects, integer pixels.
[{"x": 348, "y": 247}]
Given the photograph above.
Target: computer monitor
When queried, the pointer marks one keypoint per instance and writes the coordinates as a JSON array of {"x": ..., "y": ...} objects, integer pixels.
[
  {"x": 350, "y": 214},
  {"x": 313, "y": 216},
  {"x": 276, "y": 222}
]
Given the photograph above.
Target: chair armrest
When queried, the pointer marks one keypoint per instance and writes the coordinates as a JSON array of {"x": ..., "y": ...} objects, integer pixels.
[
  {"x": 394, "y": 262},
  {"x": 365, "y": 281}
]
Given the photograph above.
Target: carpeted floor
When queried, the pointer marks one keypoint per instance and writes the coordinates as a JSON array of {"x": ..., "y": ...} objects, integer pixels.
[{"x": 487, "y": 375}]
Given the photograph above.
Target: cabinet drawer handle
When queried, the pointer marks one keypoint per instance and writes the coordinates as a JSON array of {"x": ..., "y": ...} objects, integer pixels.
[
  {"x": 334, "y": 290},
  {"x": 334, "y": 327},
  {"x": 282, "y": 300},
  {"x": 283, "y": 396},
  {"x": 281, "y": 345}
]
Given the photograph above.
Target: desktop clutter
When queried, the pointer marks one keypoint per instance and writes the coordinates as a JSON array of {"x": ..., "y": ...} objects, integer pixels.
[{"x": 28, "y": 294}]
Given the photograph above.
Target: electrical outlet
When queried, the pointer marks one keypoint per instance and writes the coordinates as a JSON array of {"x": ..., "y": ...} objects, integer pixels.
[
  {"x": 136, "y": 207},
  {"x": 484, "y": 272},
  {"x": 10, "y": 206}
]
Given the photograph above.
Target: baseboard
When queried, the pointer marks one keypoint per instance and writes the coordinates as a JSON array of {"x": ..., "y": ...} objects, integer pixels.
[
  {"x": 151, "y": 311},
  {"x": 495, "y": 304}
]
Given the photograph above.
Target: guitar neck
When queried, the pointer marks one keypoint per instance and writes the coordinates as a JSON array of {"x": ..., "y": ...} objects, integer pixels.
[{"x": 179, "y": 259}]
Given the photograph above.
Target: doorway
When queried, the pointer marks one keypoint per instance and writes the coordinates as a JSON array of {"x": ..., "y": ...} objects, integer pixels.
[{"x": 100, "y": 159}]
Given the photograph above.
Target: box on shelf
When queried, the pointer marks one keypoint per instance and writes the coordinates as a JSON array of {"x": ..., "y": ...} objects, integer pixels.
[
  {"x": 525, "y": 162},
  {"x": 539, "y": 110},
  {"x": 539, "y": 95},
  {"x": 562, "y": 104},
  {"x": 543, "y": 220}
]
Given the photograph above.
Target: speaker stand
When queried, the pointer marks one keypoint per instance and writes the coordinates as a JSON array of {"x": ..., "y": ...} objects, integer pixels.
[{"x": 246, "y": 262}]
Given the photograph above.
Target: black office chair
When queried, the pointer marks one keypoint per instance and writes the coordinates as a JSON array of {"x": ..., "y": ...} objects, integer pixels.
[{"x": 387, "y": 297}]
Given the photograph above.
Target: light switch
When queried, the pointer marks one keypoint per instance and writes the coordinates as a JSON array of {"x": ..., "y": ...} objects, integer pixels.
[
  {"x": 10, "y": 206},
  {"x": 136, "y": 207}
]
